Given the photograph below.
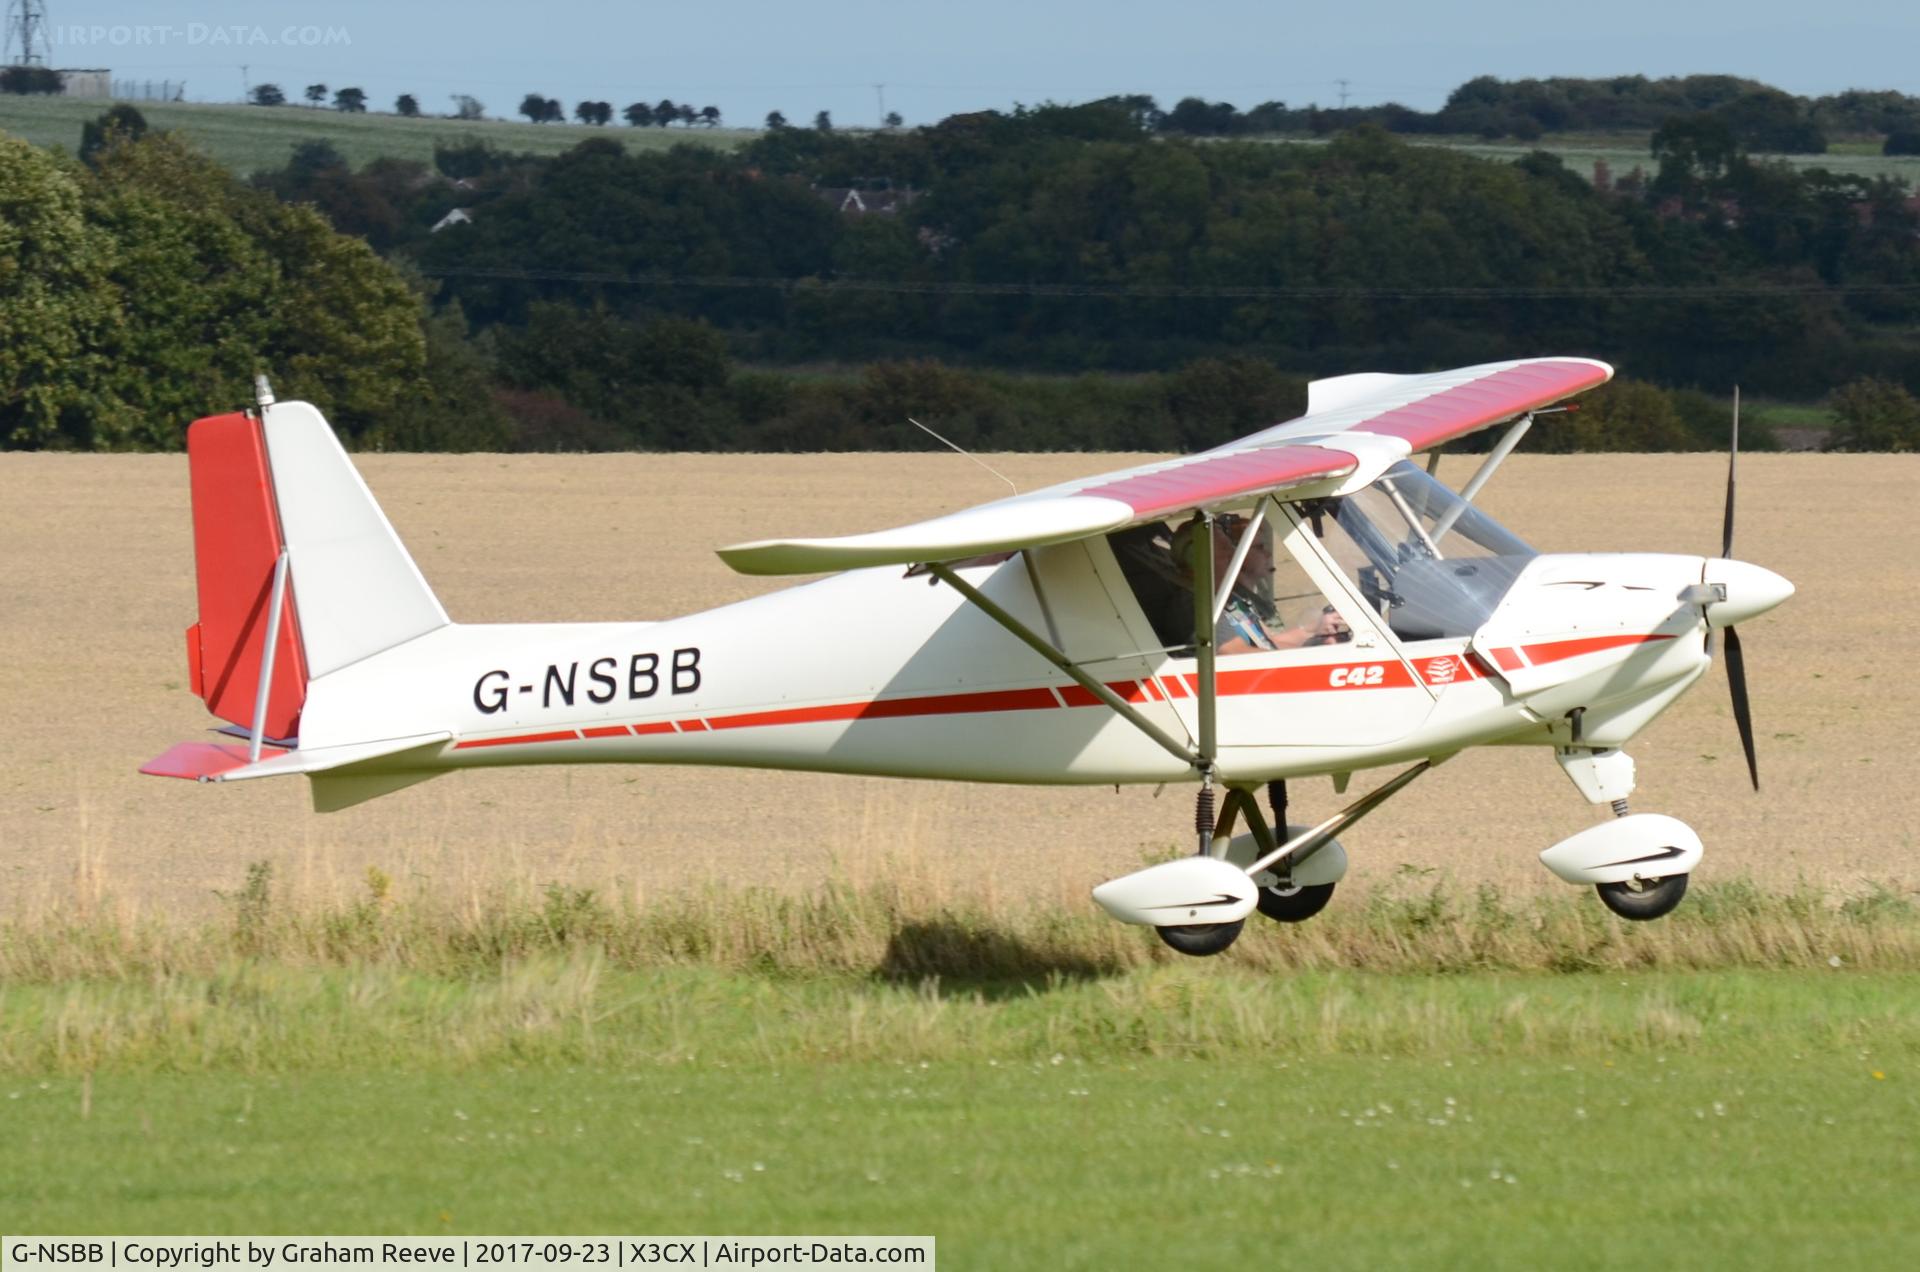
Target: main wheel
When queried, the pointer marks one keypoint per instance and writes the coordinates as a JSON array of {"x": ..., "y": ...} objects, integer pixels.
[
  {"x": 1201, "y": 939},
  {"x": 1643, "y": 898},
  {"x": 1294, "y": 904}
]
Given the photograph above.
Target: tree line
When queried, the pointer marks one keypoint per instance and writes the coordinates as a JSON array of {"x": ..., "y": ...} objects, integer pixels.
[
  {"x": 1764, "y": 119},
  {"x": 1061, "y": 277}
]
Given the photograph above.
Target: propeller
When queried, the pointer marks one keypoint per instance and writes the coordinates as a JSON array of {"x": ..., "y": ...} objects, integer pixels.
[{"x": 1736, "y": 662}]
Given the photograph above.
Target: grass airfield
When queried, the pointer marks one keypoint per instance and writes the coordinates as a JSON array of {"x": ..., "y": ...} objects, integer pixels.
[
  {"x": 567, "y": 1000},
  {"x": 1674, "y": 1127}
]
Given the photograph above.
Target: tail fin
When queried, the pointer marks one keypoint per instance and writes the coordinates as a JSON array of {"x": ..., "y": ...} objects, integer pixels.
[
  {"x": 359, "y": 591},
  {"x": 280, "y": 482}
]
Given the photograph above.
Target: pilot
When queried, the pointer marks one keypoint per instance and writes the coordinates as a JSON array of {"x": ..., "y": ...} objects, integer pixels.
[{"x": 1250, "y": 622}]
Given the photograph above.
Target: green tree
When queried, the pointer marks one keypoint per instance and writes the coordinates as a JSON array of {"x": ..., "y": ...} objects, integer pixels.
[
  {"x": 468, "y": 107},
  {"x": 638, "y": 115},
  {"x": 352, "y": 101},
  {"x": 1624, "y": 415},
  {"x": 1695, "y": 153},
  {"x": 218, "y": 281},
  {"x": 1874, "y": 415},
  {"x": 534, "y": 107},
  {"x": 59, "y": 313},
  {"x": 408, "y": 105},
  {"x": 120, "y": 122},
  {"x": 454, "y": 408},
  {"x": 822, "y": 122},
  {"x": 775, "y": 121},
  {"x": 1769, "y": 121},
  {"x": 316, "y": 94},
  {"x": 25, "y": 80},
  {"x": 266, "y": 95}
]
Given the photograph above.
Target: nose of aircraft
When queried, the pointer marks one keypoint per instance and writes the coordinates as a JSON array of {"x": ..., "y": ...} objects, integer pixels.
[{"x": 1751, "y": 589}]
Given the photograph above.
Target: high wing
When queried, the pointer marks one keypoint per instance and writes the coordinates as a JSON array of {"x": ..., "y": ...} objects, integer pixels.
[{"x": 1356, "y": 427}]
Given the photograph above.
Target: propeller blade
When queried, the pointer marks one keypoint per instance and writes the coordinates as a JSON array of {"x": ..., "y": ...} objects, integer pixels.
[
  {"x": 1733, "y": 458},
  {"x": 1742, "y": 712}
]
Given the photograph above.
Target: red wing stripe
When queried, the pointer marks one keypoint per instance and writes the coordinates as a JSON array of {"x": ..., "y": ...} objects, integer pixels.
[
  {"x": 1204, "y": 481},
  {"x": 615, "y": 731},
  {"x": 1461, "y": 410}
]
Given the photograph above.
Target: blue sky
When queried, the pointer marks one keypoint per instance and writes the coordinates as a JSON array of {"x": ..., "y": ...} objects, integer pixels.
[{"x": 800, "y": 56}]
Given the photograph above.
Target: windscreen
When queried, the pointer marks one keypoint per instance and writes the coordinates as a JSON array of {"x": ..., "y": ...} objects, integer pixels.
[{"x": 1429, "y": 563}]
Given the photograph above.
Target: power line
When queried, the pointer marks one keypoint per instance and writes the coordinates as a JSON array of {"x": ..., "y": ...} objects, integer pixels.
[{"x": 1151, "y": 291}]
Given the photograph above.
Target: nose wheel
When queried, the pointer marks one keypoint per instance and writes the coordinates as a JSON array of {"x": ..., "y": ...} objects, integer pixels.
[
  {"x": 1202, "y": 939},
  {"x": 1643, "y": 898}
]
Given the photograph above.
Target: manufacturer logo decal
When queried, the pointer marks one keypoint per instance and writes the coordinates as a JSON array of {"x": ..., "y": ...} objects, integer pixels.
[{"x": 1441, "y": 671}]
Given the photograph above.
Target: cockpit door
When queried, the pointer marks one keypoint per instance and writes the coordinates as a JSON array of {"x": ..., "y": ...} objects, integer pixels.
[{"x": 1302, "y": 682}]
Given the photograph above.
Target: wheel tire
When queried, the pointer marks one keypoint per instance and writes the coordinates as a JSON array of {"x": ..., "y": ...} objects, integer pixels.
[
  {"x": 1202, "y": 939},
  {"x": 1296, "y": 904},
  {"x": 1643, "y": 899}
]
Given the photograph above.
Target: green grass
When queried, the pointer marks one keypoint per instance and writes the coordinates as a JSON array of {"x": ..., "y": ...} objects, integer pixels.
[
  {"x": 1773, "y": 1129},
  {"x": 251, "y": 138},
  {"x": 1420, "y": 1076}
]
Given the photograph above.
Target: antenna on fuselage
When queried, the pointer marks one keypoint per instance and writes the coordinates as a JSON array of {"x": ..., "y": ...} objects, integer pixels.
[{"x": 957, "y": 450}]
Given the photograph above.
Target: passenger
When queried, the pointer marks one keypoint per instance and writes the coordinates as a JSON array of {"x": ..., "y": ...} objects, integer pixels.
[{"x": 1250, "y": 622}]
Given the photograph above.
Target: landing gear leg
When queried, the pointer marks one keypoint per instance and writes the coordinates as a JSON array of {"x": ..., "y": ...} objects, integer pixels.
[
  {"x": 1638, "y": 863},
  {"x": 1202, "y": 939},
  {"x": 1280, "y": 898}
]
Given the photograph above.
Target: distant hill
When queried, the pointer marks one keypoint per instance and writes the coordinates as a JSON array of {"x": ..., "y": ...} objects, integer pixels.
[{"x": 250, "y": 138}]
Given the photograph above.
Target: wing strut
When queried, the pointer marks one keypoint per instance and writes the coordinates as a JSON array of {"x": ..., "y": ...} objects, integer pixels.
[
  {"x": 1203, "y": 653},
  {"x": 1501, "y": 449},
  {"x": 1125, "y": 710}
]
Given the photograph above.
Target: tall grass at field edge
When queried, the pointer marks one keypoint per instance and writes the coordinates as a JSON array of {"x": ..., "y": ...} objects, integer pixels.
[
  {"x": 888, "y": 972},
  {"x": 907, "y": 927}
]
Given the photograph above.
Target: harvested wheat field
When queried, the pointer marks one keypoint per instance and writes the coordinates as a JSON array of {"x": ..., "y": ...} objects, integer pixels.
[{"x": 99, "y": 586}]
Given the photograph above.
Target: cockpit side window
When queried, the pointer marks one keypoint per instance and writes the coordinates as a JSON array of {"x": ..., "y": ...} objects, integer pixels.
[{"x": 1272, "y": 604}]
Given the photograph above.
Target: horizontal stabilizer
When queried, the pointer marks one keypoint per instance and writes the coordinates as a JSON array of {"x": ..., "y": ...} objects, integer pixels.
[
  {"x": 227, "y": 762},
  {"x": 343, "y": 788},
  {"x": 202, "y": 761}
]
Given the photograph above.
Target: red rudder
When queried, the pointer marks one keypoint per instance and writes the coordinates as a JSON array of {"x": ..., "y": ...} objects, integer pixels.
[{"x": 236, "y": 542}]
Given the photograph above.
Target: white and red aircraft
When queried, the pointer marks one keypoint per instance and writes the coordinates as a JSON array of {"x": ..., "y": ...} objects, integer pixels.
[{"x": 1304, "y": 601}]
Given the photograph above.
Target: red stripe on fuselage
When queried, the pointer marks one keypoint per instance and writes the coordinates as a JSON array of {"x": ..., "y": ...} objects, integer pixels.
[
  {"x": 1554, "y": 651},
  {"x": 1233, "y": 682},
  {"x": 559, "y": 735}
]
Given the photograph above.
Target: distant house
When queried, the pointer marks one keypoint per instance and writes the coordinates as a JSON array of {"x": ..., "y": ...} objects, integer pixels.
[
  {"x": 875, "y": 198},
  {"x": 459, "y": 216},
  {"x": 93, "y": 82}
]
